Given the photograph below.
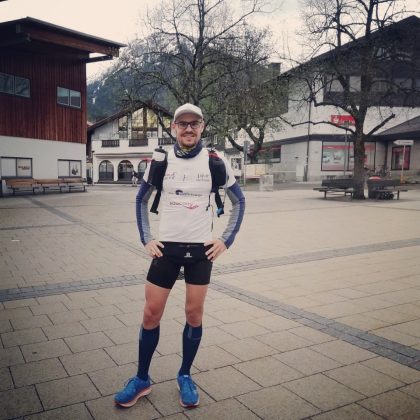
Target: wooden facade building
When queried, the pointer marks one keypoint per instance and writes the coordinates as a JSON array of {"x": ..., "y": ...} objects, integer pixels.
[{"x": 43, "y": 97}]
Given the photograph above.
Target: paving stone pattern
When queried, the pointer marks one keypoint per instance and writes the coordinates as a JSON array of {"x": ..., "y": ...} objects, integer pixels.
[{"x": 317, "y": 318}]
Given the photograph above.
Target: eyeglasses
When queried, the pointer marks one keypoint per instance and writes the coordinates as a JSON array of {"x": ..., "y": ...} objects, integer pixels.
[{"x": 184, "y": 124}]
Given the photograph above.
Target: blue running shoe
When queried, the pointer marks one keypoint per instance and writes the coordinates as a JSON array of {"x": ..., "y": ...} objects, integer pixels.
[
  {"x": 133, "y": 390},
  {"x": 188, "y": 391}
]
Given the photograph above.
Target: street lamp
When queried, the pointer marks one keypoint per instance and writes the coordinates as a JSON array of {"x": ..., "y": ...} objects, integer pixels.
[
  {"x": 246, "y": 147},
  {"x": 93, "y": 165},
  {"x": 345, "y": 165}
]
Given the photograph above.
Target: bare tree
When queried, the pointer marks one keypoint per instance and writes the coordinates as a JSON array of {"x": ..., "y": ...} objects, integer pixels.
[
  {"x": 362, "y": 57},
  {"x": 201, "y": 51},
  {"x": 255, "y": 109}
]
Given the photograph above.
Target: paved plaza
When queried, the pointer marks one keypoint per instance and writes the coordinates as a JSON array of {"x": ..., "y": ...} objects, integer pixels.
[{"x": 313, "y": 313}]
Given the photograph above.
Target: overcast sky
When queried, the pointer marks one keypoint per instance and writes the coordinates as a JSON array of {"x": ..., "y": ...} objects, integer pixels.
[{"x": 121, "y": 20}]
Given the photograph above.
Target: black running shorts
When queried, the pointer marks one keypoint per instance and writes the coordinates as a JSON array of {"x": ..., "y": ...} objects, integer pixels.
[{"x": 164, "y": 270}]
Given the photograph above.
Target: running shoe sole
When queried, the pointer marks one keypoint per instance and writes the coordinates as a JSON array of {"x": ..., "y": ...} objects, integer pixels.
[
  {"x": 143, "y": 393},
  {"x": 187, "y": 405}
]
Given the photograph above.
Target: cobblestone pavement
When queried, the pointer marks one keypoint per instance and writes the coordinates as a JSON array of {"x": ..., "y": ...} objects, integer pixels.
[{"x": 313, "y": 313}]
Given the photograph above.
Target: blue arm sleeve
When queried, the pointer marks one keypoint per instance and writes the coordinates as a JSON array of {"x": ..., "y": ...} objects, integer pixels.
[
  {"x": 235, "y": 195},
  {"x": 142, "y": 214}
]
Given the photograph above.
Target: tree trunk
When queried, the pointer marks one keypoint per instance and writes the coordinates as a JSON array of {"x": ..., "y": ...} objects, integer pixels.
[{"x": 359, "y": 165}]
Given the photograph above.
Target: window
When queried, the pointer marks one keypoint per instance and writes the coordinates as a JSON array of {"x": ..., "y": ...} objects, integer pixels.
[
  {"x": 22, "y": 86},
  {"x": 106, "y": 171},
  {"x": 152, "y": 121},
  {"x": 354, "y": 83},
  {"x": 69, "y": 97},
  {"x": 335, "y": 154},
  {"x": 332, "y": 84},
  {"x": 75, "y": 99},
  {"x": 123, "y": 127},
  {"x": 137, "y": 120},
  {"x": 14, "y": 85},
  {"x": 69, "y": 168},
  {"x": 380, "y": 85},
  {"x": 123, "y": 123},
  {"x": 6, "y": 83},
  {"x": 403, "y": 83},
  {"x": 125, "y": 170},
  {"x": 275, "y": 155},
  {"x": 16, "y": 167},
  {"x": 137, "y": 124},
  {"x": 398, "y": 155},
  {"x": 62, "y": 96}
]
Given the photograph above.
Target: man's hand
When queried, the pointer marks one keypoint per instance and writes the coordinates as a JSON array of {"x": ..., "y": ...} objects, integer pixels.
[
  {"x": 218, "y": 246},
  {"x": 153, "y": 248}
]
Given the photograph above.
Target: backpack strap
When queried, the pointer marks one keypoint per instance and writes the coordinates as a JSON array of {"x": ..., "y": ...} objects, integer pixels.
[
  {"x": 156, "y": 174},
  {"x": 158, "y": 169},
  {"x": 155, "y": 203},
  {"x": 218, "y": 179}
]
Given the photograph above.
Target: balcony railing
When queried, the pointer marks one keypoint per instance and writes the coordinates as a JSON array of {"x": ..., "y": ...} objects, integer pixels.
[
  {"x": 138, "y": 142},
  {"x": 162, "y": 141},
  {"x": 110, "y": 143}
]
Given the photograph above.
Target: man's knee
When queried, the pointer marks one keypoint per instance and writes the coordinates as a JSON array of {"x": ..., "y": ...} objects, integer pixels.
[
  {"x": 194, "y": 314},
  {"x": 152, "y": 314}
]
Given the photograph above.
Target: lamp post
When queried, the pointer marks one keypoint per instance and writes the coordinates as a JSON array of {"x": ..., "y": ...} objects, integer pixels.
[
  {"x": 306, "y": 170},
  {"x": 345, "y": 166},
  {"x": 93, "y": 165},
  {"x": 246, "y": 147}
]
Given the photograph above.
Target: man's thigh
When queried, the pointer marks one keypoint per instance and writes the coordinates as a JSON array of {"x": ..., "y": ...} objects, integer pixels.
[
  {"x": 195, "y": 295},
  {"x": 198, "y": 273},
  {"x": 163, "y": 272}
]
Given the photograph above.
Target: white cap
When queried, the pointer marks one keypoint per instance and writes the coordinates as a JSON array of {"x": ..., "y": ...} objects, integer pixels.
[{"x": 187, "y": 109}]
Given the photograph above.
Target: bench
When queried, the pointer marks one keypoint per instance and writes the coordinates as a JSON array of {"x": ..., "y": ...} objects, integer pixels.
[
  {"x": 22, "y": 185},
  {"x": 384, "y": 189},
  {"x": 337, "y": 186},
  {"x": 74, "y": 183},
  {"x": 51, "y": 184}
]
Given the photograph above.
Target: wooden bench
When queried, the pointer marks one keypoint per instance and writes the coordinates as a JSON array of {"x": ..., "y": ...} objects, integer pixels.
[
  {"x": 22, "y": 185},
  {"x": 74, "y": 183},
  {"x": 337, "y": 186},
  {"x": 51, "y": 184},
  {"x": 384, "y": 189}
]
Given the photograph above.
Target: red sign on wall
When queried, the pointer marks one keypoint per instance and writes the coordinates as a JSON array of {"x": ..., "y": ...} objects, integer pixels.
[{"x": 342, "y": 120}]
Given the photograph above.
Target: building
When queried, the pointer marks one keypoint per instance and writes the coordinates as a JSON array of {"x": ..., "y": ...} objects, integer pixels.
[
  {"x": 303, "y": 151},
  {"x": 43, "y": 98},
  {"x": 124, "y": 142}
]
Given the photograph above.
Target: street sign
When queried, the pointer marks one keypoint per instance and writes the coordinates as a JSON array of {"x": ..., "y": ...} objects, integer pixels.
[
  {"x": 342, "y": 120},
  {"x": 404, "y": 142}
]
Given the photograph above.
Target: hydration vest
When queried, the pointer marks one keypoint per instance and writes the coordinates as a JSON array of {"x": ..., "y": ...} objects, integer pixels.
[{"x": 158, "y": 169}]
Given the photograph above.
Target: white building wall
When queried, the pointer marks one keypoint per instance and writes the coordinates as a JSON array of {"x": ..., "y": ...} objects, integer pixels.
[
  {"x": 116, "y": 155},
  {"x": 44, "y": 153},
  {"x": 293, "y": 156}
]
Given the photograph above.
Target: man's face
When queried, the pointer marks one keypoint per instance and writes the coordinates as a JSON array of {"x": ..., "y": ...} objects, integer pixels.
[{"x": 186, "y": 135}]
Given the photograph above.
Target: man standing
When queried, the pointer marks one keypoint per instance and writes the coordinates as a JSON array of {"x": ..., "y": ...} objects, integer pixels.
[
  {"x": 185, "y": 240},
  {"x": 134, "y": 178}
]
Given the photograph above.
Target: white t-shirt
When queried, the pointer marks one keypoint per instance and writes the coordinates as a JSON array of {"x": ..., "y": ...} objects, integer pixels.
[{"x": 184, "y": 205}]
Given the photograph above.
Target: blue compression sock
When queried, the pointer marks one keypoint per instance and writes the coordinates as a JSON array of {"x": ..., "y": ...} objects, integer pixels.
[
  {"x": 148, "y": 341},
  {"x": 190, "y": 342}
]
